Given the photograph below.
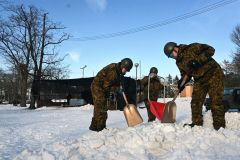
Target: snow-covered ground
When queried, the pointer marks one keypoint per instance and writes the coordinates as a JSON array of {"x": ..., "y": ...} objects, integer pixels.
[{"x": 62, "y": 133}]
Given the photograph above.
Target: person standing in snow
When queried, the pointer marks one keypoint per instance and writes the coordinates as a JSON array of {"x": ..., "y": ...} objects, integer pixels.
[
  {"x": 155, "y": 87},
  {"x": 108, "y": 79},
  {"x": 195, "y": 60}
]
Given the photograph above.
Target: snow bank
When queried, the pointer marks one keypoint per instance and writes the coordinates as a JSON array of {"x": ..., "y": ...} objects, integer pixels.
[{"x": 146, "y": 141}]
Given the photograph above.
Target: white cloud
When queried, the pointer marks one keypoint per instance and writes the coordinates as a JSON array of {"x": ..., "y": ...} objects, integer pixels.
[
  {"x": 97, "y": 5},
  {"x": 75, "y": 56}
]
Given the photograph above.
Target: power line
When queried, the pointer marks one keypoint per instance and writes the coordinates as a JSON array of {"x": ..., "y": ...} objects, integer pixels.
[{"x": 159, "y": 24}]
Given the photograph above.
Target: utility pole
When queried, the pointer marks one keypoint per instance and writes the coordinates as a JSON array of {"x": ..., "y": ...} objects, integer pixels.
[
  {"x": 136, "y": 65},
  {"x": 140, "y": 73},
  {"x": 83, "y": 70}
]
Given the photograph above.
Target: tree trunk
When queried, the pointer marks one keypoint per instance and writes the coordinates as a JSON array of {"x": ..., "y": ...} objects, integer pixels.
[
  {"x": 32, "y": 103},
  {"x": 23, "y": 84},
  {"x": 23, "y": 91}
]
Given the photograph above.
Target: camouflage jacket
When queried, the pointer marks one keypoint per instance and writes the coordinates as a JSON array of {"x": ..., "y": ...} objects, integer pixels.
[
  {"x": 202, "y": 53},
  {"x": 108, "y": 79},
  {"x": 154, "y": 88}
]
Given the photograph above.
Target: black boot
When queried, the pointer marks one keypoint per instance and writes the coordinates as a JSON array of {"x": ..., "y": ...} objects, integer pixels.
[
  {"x": 189, "y": 124},
  {"x": 217, "y": 127},
  {"x": 97, "y": 129},
  {"x": 97, "y": 125},
  {"x": 93, "y": 127}
]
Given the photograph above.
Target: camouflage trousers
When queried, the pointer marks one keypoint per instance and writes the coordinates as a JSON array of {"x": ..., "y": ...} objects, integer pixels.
[
  {"x": 100, "y": 110},
  {"x": 213, "y": 84},
  {"x": 151, "y": 117}
]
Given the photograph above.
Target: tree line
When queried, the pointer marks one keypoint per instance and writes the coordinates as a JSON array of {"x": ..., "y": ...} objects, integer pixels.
[
  {"x": 28, "y": 45},
  {"x": 232, "y": 68}
]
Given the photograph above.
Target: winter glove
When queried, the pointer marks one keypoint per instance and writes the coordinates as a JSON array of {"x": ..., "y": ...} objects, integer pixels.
[
  {"x": 194, "y": 64},
  {"x": 187, "y": 77},
  {"x": 121, "y": 89},
  {"x": 151, "y": 75}
]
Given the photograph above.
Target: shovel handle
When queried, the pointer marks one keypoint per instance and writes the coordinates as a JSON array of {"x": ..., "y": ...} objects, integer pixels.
[
  {"x": 175, "y": 96},
  {"x": 148, "y": 86},
  {"x": 185, "y": 78},
  {"x": 125, "y": 98}
]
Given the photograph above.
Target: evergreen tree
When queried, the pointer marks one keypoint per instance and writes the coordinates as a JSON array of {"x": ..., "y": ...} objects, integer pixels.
[
  {"x": 169, "y": 79},
  {"x": 175, "y": 80}
]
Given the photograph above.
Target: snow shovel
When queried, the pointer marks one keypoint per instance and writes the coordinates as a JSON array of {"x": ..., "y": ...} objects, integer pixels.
[
  {"x": 171, "y": 107},
  {"x": 131, "y": 113},
  {"x": 169, "y": 115},
  {"x": 156, "y": 108}
]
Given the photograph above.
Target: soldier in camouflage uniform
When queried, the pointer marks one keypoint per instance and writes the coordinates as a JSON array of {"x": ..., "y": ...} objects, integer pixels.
[
  {"x": 155, "y": 87},
  {"x": 108, "y": 79},
  {"x": 195, "y": 60}
]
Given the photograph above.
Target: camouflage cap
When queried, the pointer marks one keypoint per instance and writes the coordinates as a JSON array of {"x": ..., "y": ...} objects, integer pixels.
[
  {"x": 154, "y": 70},
  {"x": 168, "y": 48},
  {"x": 127, "y": 63}
]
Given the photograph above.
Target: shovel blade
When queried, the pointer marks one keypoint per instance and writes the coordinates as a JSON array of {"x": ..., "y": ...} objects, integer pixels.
[
  {"x": 132, "y": 115},
  {"x": 157, "y": 109},
  {"x": 169, "y": 112}
]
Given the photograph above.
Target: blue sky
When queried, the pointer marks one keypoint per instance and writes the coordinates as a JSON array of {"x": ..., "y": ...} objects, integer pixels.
[{"x": 95, "y": 17}]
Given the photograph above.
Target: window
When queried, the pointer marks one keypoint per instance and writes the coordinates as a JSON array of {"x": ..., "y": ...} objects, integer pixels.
[{"x": 228, "y": 91}]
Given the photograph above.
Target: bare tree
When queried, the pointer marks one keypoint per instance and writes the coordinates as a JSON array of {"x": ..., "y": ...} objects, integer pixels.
[
  {"x": 8, "y": 87},
  {"x": 54, "y": 70},
  {"x": 232, "y": 68},
  {"x": 12, "y": 39},
  {"x": 46, "y": 56},
  {"x": 227, "y": 67},
  {"x": 27, "y": 41},
  {"x": 235, "y": 37},
  {"x": 1, "y": 85}
]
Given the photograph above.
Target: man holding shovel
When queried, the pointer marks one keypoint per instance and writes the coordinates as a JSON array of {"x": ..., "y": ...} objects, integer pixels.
[
  {"x": 195, "y": 60},
  {"x": 155, "y": 87},
  {"x": 108, "y": 79}
]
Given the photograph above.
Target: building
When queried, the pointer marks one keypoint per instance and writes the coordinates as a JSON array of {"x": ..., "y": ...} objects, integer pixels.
[{"x": 187, "y": 92}]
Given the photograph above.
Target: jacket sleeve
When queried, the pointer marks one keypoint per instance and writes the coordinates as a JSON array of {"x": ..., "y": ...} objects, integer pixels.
[
  {"x": 182, "y": 72},
  {"x": 107, "y": 76},
  {"x": 144, "y": 81},
  {"x": 205, "y": 54},
  {"x": 160, "y": 86}
]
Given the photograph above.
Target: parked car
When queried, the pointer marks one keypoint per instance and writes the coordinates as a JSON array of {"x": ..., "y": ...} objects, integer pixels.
[{"x": 231, "y": 99}]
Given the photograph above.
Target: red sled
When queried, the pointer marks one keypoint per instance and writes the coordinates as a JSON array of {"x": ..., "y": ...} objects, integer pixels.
[{"x": 157, "y": 109}]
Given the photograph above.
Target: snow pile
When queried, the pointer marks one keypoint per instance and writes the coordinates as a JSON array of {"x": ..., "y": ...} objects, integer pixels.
[
  {"x": 147, "y": 141},
  {"x": 66, "y": 136},
  {"x": 87, "y": 107}
]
